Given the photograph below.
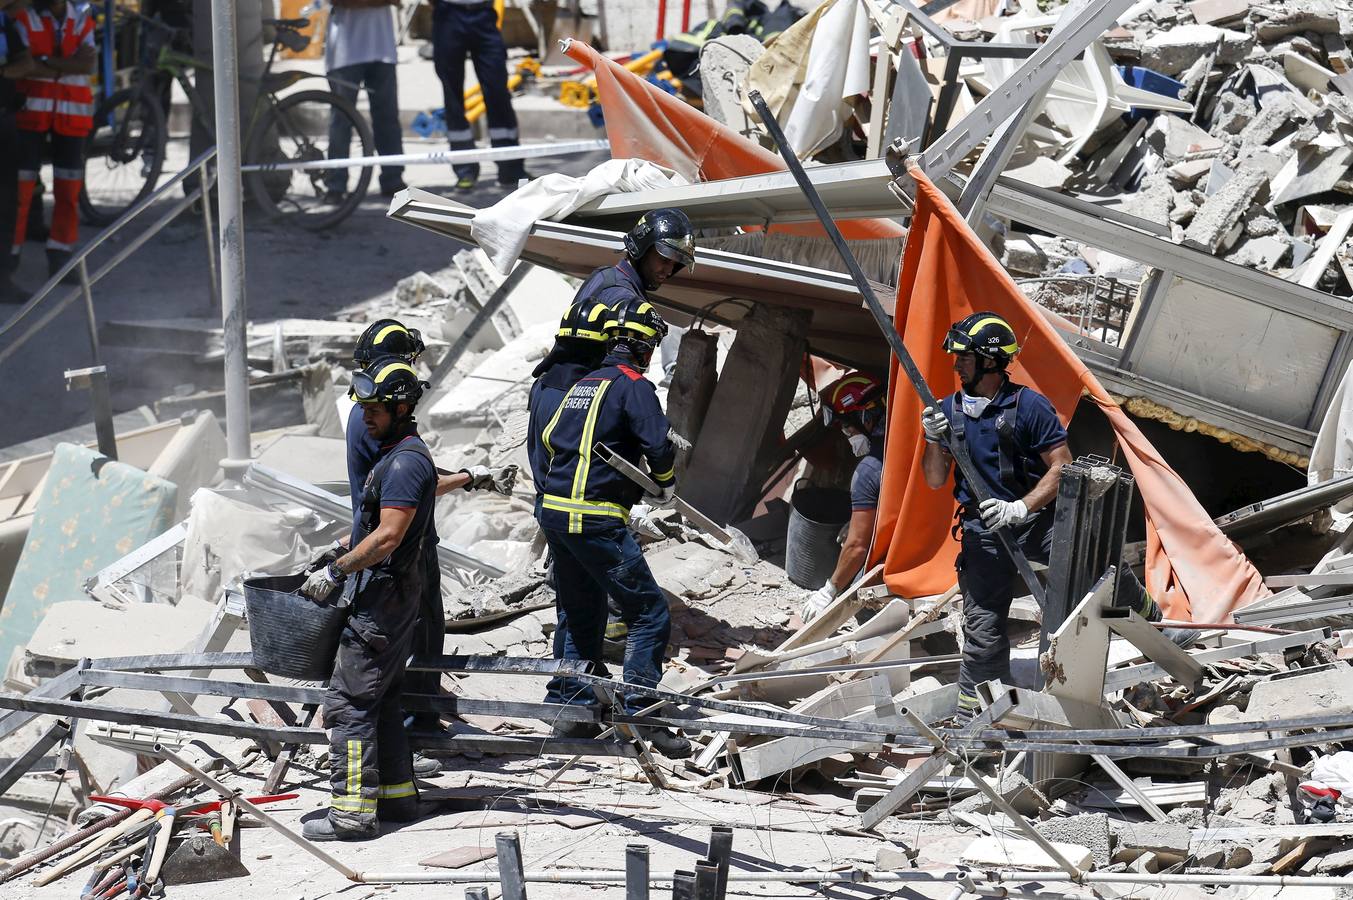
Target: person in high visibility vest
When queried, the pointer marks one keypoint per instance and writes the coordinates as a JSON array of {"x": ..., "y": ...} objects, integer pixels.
[
  {"x": 58, "y": 111},
  {"x": 15, "y": 62}
]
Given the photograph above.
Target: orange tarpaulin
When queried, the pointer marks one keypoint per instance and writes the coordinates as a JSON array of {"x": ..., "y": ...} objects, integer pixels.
[
  {"x": 947, "y": 273},
  {"x": 645, "y": 122}
]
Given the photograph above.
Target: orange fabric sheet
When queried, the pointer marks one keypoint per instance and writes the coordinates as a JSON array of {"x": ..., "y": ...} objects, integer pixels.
[
  {"x": 644, "y": 122},
  {"x": 1192, "y": 569}
]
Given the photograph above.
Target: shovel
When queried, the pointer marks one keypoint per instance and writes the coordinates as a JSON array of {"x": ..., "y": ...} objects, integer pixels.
[{"x": 733, "y": 540}]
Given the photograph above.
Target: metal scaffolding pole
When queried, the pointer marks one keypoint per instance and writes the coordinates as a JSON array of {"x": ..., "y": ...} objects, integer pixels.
[{"x": 230, "y": 217}]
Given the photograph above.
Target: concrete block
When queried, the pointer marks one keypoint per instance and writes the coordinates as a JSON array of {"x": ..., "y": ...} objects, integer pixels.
[
  {"x": 1263, "y": 253},
  {"x": 1185, "y": 174},
  {"x": 1173, "y": 50},
  {"x": 1090, "y": 831},
  {"x": 1177, "y": 139},
  {"x": 1004, "y": 851},
  {"x": 1319, "y": 16},
  {"x": 1326, "y": 692},
  {"x": 693, "y": 383},
  {"x": 724, "y": 63},
  {"x": 1218, "y": 12},
  {"x": 1212, "y": 224},
  {"x": 1169, "y": 842},
  {"x": 1340, "y": 861},
  {"x": 1017, "y": 791},
  {"x": 1277, "y": 111},
  {"x": 741, "y": 433}
]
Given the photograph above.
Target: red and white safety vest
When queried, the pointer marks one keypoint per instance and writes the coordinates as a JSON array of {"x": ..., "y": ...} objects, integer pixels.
[{"x": 65, "y": 104}]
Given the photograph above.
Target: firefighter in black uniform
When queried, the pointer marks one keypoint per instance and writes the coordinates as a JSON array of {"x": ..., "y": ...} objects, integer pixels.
[
  {"x": 584, "y": 513},
  {"x": 383, "y": 576}
]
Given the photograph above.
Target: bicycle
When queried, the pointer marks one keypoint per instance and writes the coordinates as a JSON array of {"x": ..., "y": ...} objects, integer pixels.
[{"x": 125, "y": 154}]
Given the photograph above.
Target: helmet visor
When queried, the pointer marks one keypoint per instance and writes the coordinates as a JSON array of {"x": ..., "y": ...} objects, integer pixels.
[
  {"x": 680, "y": 250},
  {"x": 956, "y": 342}
]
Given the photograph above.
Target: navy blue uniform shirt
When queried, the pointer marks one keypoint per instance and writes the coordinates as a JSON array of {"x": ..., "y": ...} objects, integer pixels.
[
  {"x": 364, "y": 452},
  {"x": 868, "y": 477},
  {"x": 1036, "y": 429},
  {"x": 546, "y": 395},
  {"x": 408, "y": 482},
  {"x": 617, "y": 406}
]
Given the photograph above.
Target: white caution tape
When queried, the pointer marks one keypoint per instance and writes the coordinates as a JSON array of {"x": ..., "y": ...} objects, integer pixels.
[{"x": 440, "y": 157}]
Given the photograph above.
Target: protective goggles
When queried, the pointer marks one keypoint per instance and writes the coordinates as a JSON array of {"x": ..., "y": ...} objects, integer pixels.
[
  {"x": 956, "y": 342},
  {"x": 363, "y": 388}
]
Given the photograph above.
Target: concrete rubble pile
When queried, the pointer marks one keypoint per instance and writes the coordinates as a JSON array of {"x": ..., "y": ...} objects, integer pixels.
[{"x": 1118, "y": 761}]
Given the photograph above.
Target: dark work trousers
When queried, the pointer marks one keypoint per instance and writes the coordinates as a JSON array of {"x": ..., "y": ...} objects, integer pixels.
[
  {"x": 382, "y": 96},
  {"x": 587, "y": 568},
  {"x": 9, "y": 186},
  {"x": 988, "y": 581},
  {"x": 428, "y": 638},
  {"x": 458, "y": 31},
  {"x": 369, "y": 756}
]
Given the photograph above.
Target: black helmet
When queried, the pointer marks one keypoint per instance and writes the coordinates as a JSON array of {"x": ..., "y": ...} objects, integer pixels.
[
  {"x": 636, "y": 326},
  {"x": 669, "y": 231},
  {"x": 985, "y": 334},
  {"x": 387, "y": 337},
  {"x": 388, "y": 379},
  {"x": 585, "y": 321}
]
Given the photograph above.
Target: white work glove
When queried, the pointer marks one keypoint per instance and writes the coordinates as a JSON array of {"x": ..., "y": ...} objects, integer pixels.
[
  {"x": 1001, "y": 513},
  {"x": 677, "y": 440},
  {"x": 329, "y": 554},
  {"x": 497, "y": 480},
  {"x": 663, "y": 499},
  {"x": 321, "y": 583},
  {"x": 936, "y": 424},
  {"x": 818, "y": 601}
]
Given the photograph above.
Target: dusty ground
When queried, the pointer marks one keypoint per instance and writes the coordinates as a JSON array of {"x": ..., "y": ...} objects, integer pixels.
[{"x": 289, "y": 273}]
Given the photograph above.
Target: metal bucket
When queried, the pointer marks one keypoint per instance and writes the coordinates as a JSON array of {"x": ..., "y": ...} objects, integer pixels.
[{"x": 815, "y": 518}]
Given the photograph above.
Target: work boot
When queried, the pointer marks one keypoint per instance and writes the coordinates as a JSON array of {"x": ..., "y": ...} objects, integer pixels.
[
  {"x": 425, "y": 766},
  {"x": 399, "y": 809},
  {"x": 322, "y": 828},
  {"x": 513, "y": 182},
  {"x": 668, "y": 743},
  {"x": 58, "y": 258},
  {"x": 575, "y": 731},
  {"x": 466, "y": 184},
  {"x": 1181, "y": 637}
]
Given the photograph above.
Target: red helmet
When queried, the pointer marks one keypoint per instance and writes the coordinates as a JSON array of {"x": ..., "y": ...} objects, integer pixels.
[{"x": 850, "y": 395}]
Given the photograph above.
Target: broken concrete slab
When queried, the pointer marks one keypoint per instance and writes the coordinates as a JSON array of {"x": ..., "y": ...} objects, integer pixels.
[
  {"x": 1281, "y": 19},
  {"x": 724, "y": 63},
  {"x": 1218, "y": 12},
  {"x": 1089, "y": 830},
  {"x": 1171, "y": 51},
  {"x": 1311, "y": 170},
  {"x": 1169, "y": 842},
  {"x": 1213, "y": 225},
  {"x": 1026, "y": 799},
  {"x": 1005, "y": 851},
  {"x": 1324, "y": 692},
  {"x": 1177, "y": 139}
]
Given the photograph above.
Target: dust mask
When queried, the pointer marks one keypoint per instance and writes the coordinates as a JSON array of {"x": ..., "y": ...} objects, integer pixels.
[
  {"x": 974, "y": 406},
  {"x": 859, "y": 444}
]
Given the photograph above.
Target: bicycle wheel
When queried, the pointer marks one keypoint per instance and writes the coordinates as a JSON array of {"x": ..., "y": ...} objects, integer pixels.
[
  {"x": 124, "y": 155},
  {"x": 296, "y": 129}
]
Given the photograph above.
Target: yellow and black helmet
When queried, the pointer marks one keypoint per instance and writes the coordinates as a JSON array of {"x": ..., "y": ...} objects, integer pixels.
[
  {"x": 985, "y": 334},
  {"x": 387, "y": 337},
  {"x": 635, "y": 321},
  {"x": 388, "y": 379},
  {"x": 585, "y": 321}
]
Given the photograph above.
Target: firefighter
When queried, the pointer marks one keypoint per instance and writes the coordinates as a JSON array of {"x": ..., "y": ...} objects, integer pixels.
[
  {"x": 58, "y": 113},
  {"x": 1018, "y": 447},
  {"x": 584, "y": 514},
  {"x": 854, "y": 403},
  {"x": 370, "y": 764},
  {"x": 389, "y": 337}
]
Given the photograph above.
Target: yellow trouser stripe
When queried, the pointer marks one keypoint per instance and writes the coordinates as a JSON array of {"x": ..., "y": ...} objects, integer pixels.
[
  {"x": 663, "y": 476},
  {"x": 354, "y": 768},
  {"x": 353, "y": 804},
  {"x": 575, "y": 519},
  {"x": 393, "y": 791}
]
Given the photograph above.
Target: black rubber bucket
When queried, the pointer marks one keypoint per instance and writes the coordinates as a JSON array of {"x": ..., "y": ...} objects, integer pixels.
[
  {"x": 815, "y": 519},
  {"x": 292, "y": 636}
]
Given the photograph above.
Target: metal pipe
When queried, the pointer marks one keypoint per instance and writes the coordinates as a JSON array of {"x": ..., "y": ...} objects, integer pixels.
[
  {"x": 244, "y": 803},
  {"x": 721, "y": 850},
  {"x": 510, "y": 868},
  {"x": 1278, "y": 881},
  {"x": 90, "y": 319},
  {"x": 636, "y": 872},
  {"x": 683, "y": 885},
  {"x": 230, "y": 213},
  {"x": 209, "y": 234}
]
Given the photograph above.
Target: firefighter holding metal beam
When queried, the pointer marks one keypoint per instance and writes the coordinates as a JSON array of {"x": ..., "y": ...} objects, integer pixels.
[
  {"x": 584, "y": 513},
  {"x": 1018, "y": 447}
]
